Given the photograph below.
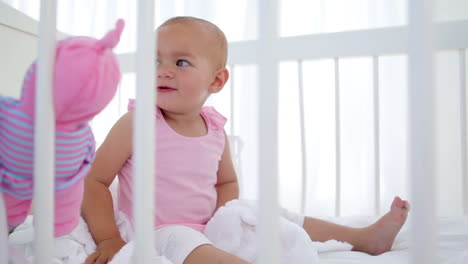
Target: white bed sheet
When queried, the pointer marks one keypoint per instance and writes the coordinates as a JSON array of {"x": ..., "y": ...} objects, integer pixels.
[{"x": 452, "y": 244}]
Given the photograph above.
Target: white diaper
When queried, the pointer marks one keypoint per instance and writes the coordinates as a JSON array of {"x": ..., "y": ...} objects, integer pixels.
[
  {"x": 172, "y": 245},
  {"x": 177, "y": 242}
]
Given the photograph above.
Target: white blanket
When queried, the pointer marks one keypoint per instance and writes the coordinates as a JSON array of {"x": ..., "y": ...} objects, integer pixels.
[
  {"x": 73, "y": 248},
  {"x": 231, "y": 229},
  {"x": 452, "y": 244},
  {"x": 460, "y": 259}
]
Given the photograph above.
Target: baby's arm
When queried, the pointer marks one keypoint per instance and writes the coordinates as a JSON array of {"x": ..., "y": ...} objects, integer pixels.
[
  {"x": 97, "y": 207},
  {"x": 227, "y": 186}
]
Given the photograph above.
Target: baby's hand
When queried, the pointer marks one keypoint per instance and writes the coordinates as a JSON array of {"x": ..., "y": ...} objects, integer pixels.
[{"x": 105, "y": 250}]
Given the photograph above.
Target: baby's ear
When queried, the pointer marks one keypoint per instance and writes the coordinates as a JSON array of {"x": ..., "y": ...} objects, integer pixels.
[{"x": 220, "y": 79}]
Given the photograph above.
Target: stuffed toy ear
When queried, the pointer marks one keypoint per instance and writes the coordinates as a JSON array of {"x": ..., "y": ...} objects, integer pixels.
[
  {"x": 111, "y": 39},
  {"x": 86, "y": 77}
]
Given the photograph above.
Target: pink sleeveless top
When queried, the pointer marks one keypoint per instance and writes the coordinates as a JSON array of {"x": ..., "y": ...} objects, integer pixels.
[{"x": 186, "y": 171}]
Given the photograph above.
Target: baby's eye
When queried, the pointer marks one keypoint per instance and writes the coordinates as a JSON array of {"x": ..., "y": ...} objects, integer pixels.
[
  {"x": 182, "y": 63},
  {"x": 157, "y": 63}
]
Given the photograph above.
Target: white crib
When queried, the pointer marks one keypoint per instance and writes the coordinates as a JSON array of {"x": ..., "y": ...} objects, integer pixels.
[{"x": 419, "y": 40}]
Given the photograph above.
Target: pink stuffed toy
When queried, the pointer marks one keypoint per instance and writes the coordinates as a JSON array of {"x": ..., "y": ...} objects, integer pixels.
[{"x": 86, "y": 77}]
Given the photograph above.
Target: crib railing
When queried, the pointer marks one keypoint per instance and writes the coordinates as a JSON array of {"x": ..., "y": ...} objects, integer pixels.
[
  {"x": 268, "y": 209},
  {"x": 422, "y": 127},
  {"x": 463, "y": 124},
  {"x": 44, "y": 138},
  {"x": 374, "y": 43},
  {"x": 337, "y": 139},
  {"x": 450, "y": 30},
  {"x": 419, "y": 40},
  {"x": 144, "y": 135}
]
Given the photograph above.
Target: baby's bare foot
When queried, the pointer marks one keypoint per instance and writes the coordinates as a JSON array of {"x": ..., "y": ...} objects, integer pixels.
[{"x": 383, "y": 232}]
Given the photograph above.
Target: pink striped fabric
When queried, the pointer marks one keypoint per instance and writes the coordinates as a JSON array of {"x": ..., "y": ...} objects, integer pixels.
[{"x": 74, "y": 152}]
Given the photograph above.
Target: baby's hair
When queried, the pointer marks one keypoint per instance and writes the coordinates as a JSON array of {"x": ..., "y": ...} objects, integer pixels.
[{"x": 220, "y": 38}]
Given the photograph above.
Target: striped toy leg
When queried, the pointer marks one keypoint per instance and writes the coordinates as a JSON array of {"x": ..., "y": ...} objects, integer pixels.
[
  {"x": 68, "y": 208},
  {"x": 17, "y": 210}
]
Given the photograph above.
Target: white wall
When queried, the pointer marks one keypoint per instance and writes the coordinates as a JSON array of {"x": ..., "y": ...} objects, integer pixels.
[
  {"x": 448, "y": 10},
  {"x": 17, "y": 48}
]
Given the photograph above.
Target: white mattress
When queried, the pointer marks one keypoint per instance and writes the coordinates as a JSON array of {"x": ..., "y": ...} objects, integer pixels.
[{"x": 452, "y": 244}]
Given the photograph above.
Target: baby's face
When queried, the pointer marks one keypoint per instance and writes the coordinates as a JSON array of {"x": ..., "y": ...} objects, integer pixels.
[{"x": 185, "y": 67}]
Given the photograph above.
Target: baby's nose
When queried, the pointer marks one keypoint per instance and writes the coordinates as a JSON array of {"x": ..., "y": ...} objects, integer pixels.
[{"x": 164, "y": 71}]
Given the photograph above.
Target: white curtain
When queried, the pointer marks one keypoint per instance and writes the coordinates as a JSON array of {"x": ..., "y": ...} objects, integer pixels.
[{"x": 299, "y": 17}]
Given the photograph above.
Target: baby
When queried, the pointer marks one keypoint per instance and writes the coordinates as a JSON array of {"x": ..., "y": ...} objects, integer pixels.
[
  {"x": 85, "y": 79},
  {"x": 195, "y": 174}
]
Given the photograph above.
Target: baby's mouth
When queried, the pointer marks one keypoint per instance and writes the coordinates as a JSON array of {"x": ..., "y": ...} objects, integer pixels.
[{"x": 165, "y": 89}]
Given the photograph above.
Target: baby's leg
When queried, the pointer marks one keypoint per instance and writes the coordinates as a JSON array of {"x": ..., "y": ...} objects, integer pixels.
[
  {"x": 16, "y": 209},
  {"x": 374, "y": 239},
  {"x": 67, "y": 208},
  {"x": 207, "y": 254},
  {"x": 181, "y": 244}
]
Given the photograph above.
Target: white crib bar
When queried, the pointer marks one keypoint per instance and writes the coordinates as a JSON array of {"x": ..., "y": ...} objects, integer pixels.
[
  {"x": 44, "y": 136},
  {"x": 463, "y": 129},
  {"x": 375, "y": 63},
  {"x": 268, "y": 234},
  {"x": 144, "y": 135},
  {"x": 303, "y": 135},
  {"x": 232, "y": 101},
  {"x": 422, "y": 131},
  {"x": 234, "y": 140},
  {"x": 337, "y": 140},
  {"x": 3, "y": 232}
]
